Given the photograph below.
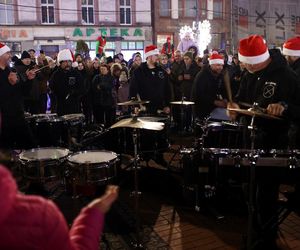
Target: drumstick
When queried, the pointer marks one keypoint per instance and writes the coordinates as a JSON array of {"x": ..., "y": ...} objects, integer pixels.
[{"x": 227, "y": 85}]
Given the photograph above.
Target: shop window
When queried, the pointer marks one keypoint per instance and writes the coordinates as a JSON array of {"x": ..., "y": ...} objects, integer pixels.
[
  {"x": 47, "y": 11},
  {"x": 125, "y": 12},
  {"x": 139, "y": 45},
  {"x": 218, "y": 9},
  {"x": 87, "y": 9},
  {"x": 190, "y": 8},
  {"x": 6, "y": 12},
  {"x": 164, "y": 8}
]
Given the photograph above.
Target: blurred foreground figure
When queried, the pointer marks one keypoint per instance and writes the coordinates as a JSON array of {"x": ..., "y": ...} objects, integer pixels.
[{"x": 32, "y": 222}]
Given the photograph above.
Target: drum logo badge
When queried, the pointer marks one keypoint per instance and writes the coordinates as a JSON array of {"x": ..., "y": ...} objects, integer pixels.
[{"x": 269, "y": 89}]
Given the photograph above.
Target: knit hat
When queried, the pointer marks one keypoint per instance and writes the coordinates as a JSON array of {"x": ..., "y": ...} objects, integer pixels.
[
  {"x": 292, "y": 47},
  {"x": 189, "y": 54},
  {"x": 65, "y": 55},
  {"x": 25, "y": 55},
  {"x": 216, "y": 58},
  {"x": 253, "y": 50},
  {"x": 151, "y": 50},
  {"x": 3, "y": 49}
]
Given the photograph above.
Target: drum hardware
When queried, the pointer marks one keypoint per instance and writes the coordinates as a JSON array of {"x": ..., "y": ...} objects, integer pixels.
[{"x": 136, "y": 123}]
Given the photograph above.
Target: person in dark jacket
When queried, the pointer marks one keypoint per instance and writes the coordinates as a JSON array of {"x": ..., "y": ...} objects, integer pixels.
[
  {"x": 209, "y": 91},
  {"x": 271, "y": 84},
  {"x": 67, "y": 85},
  {"x": 14, "y": 130},
  {"x": 150, "y": 82},
  {"x": 102, "y": 98}
]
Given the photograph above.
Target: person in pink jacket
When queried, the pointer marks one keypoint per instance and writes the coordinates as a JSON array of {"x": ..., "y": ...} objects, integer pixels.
[{"x": 32, "y": 222}]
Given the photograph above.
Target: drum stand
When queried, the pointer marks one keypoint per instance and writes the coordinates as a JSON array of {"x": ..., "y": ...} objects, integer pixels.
[
  {"x": 136, "y": 193},
  {"x": 253, "y": 157}
]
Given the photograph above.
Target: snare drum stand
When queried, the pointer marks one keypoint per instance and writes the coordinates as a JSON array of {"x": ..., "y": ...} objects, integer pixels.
[
  {"x": 136, "y": 193},
  {"x": 253, "y": 157}
]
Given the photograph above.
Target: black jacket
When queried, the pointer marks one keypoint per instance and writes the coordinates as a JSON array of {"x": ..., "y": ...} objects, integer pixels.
[
  {"x": 101, "y": 90},
  {"x": 68, "y": 88},
  {"x": 11, "y": 98},
  {"x": 152, "y": 85},
  {"x": 206, "y": 89},
  {"x": 276, "y": 83}
]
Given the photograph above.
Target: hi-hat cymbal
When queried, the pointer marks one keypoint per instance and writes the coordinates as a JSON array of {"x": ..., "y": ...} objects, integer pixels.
[
  {"x": 252, "y": 112},
  {"x": 132, "y": 102},
  {"x": 138, "y": 123},
  {"x": 182, "y": 103}
]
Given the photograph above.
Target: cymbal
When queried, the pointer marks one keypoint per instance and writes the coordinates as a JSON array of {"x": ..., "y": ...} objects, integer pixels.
[
  {"x": 182, "y": 103},
  {"x": 132, "y": 102},
  {"x": 138, "y": 123},
  {"x": 251, "y": 112}
]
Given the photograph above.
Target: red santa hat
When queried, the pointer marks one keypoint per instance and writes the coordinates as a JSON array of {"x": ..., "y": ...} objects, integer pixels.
[
  {"x": 151, "y": 50},
  {"x": 216, "y": 58},
  {"x": 292, "y": 47},
  {"x": 65, "y": 55},
  {"x": 3, "y": 49},
  {"x": 253, "y": 50}
]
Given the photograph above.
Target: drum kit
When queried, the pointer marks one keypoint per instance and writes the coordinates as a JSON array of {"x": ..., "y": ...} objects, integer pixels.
[{"x": 99, "y": 167}]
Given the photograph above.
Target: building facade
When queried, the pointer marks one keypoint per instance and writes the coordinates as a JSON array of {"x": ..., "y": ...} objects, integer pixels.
[
  {"x": 231, "y": 20},
  {"x": 171, "y": 15},
  {"x": 276, "y": 20},
  {"x": 52, "y": 25}
]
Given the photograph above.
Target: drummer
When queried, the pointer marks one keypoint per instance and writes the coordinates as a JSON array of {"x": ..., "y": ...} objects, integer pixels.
[
  {"x": 150, "y": 82},
  {"x": 270, "y": 83}
]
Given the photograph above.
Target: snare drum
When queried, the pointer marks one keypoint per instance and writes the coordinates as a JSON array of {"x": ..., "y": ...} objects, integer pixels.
[
  {"x": 74, "y": 119},
  {"x": 43, "y": 164},
  {"x": 92, "y": 167},
  {"x": 224, "y": 135}
]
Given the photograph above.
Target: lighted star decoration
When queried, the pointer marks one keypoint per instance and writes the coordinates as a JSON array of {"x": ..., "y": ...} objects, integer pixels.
[
  {"x": 203, "y": 36},
  {"x": 186, "y": 30}
]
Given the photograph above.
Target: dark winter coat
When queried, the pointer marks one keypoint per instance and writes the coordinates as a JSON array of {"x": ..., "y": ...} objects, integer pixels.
[
  {"x": 276, "y": 83},
  {"x": 67, "y": 86},
  {"x": 152, "y": 85},
  {"x": 207, "y": 88},
  {"x": 101, "y": 90},
  {"x": 11, "y": 98},
  {"x": 187, "y": 85}
]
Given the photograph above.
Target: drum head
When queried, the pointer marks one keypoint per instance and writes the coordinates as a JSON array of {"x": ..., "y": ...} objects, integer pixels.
[
  {"x": 92, "y": 157},
  {"x": 71, "y": 117},
  {"x": 39, "y": 154}
]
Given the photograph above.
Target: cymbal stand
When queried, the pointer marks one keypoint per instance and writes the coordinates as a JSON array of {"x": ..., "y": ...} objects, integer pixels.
[
  {"x": 253, "y": 157},
  {"x": 136, "y": 193}
]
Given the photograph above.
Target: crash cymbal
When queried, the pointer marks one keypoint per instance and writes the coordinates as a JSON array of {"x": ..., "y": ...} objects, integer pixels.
[
  {"x": 138, "y": 123},
  {"x": 132, "y": 102},
  {"x": 182, "y": 103},
  {"x": 252, "y": 112}
]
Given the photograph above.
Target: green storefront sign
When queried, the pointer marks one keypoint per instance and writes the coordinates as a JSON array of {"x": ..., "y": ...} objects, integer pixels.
[{"x": 110, "y": 32}]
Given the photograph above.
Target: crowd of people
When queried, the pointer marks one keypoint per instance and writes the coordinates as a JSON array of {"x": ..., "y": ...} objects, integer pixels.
[{"x": 75, "y": 84}]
